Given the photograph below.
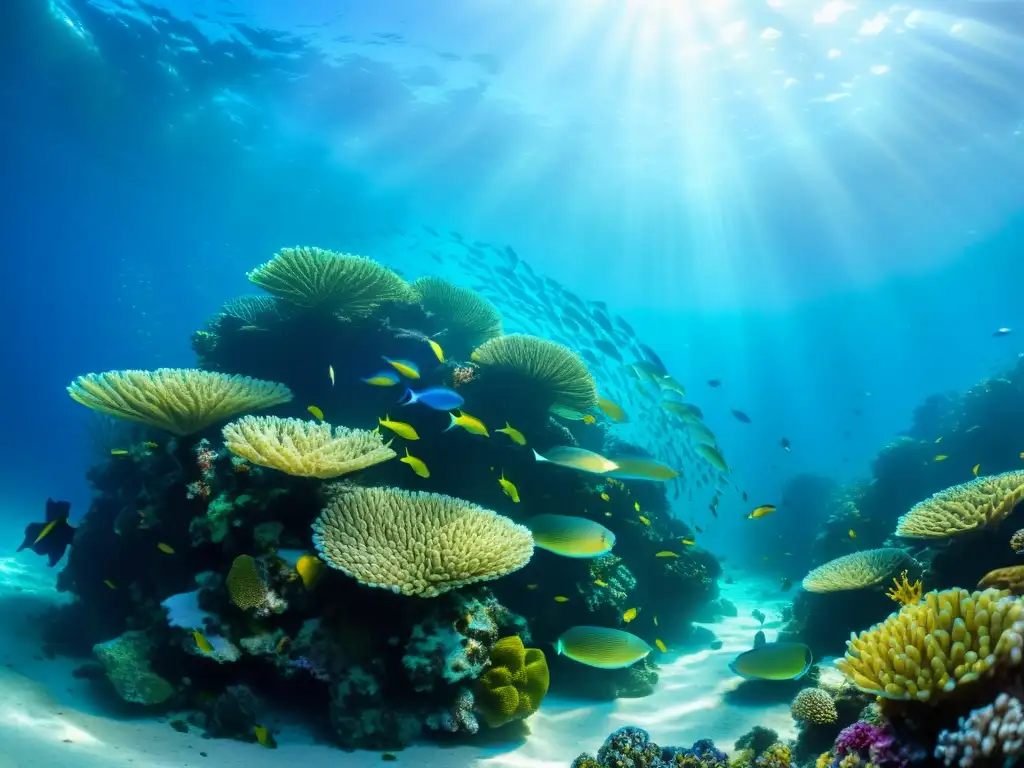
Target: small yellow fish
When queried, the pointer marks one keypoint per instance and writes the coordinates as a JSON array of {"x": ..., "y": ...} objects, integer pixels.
[
  {"x": 1022, "y": 454},
  {"x": 611, "y": 409},
  {"x": 607, "y": 514},
  {"x": 636, "y": 505},
  {"x": 531, "y": 586},
  {"x": 561, "y": 599},
  {"x": 688, "y": 542},
  {"x": 644, "y": 520},
  {"x": 605, "y": 497},
  {"x": 400, "y": 428},
  {"x": 264, "y": 737},
  {"x": 204, "y": 645},
  {"x": 404, "y": 367},
  {"x": 976, "y": 468},
  {"x": 599, "y": 583},
  {"x": 630, "y": 614},
  {"x": 938, "y": 440},
  {"x": 762, "y": 511},
  {"x": 436, "y": 348},
  {"x": 330, "y": 372},
  {"x": 382, "y": 380},
  {"x": 469, "y": 423},
  {"x": 851, "y": 533},
  {"x": 655, "y": 619},
  {"x": 317, "y": 413},
  {"x": 110, "y": 584},
  {"x": 418, "y": 465},
  {"x": 661, "y": 645},
  {"x": 516, "y": 436},
  {"x": 310, "y": 568},
  {"x": 588, "y": 419},
  {"x": 509, "y": 488},
  {"x": 119, "y": 452},
  {"x": 941, "y": 457},
  {"x": 150, "y": 444},
  {"x": 666, "y": 553},
  {"x": 167, "y": 549}
]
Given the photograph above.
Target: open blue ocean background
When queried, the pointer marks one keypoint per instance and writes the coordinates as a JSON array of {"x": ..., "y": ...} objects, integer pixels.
[{"x": 857, "y": 230}]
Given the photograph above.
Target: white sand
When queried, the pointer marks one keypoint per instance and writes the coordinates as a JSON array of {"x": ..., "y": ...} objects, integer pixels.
[{"x": 48, "y": 718}]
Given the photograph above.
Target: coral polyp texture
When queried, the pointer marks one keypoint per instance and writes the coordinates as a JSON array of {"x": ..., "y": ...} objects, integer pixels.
[
  {"x": 926, "y": 650},
  {"x": 181, "y": 401},
  {"x": 514, "y": 685},
  {"x": 470, "y": 318},
  {"x": 1010, "y": 578},
  {"x": 304, "y": 448},
  {"x": 814, "y": 705},
  {"x": 252, "y": 310},
  {"x": 416, "y": 543},
  {"x": 982, "y": 503},
  {"x": 990, "y": 735},
  {"x": 352, "y": 285},
  {"x": 1017, "y": 541},
  {"x": 245, "y": 584},
  {"x": 555, "y": 374},
  {"x": 857, "y": 570}
]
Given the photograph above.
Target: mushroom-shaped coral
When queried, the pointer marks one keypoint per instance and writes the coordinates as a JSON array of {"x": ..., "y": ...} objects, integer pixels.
[
  {"x": 252, "y": 310},
  {"x": 993, "y": 731},
  {"x": 982, "y": 503},
  {"x": 1011, "y": 578},
  {"x": 553, "y": 375},
  {"x": 421, "y": 544},
  {"x": 814, "y": 705},
  {"x": 304, "y": 448},
  {"x": 857, "y": 570},
  {"x": 514, "y": 685},
  {"x": 351, "y": 285},
  {"x": 181, "y": 401},
  {"x": 926, "y": 650},
  {"x": 470, "y": 318}
]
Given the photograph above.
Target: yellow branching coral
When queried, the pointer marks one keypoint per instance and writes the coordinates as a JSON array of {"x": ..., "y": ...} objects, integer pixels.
[
  {"x": 304, "y": 448},
  {"x": 354, "y": 286},
  {"x": 905, "y": 592},
  {"x": 181, "y": 401},
  {"x": 422, "y": 544},
  {"x": 1011, "y": 578},
  {"x": 857, "y": 570},
  {"x": 926, "y": 650},
  {"x": 551, "y": 373},
  {"x": 982, "y": 503},
  {"x": 470, "y": 318},
  {"x": 778, "y": 755},
  {"x": 814, "y": 705},
  {"x": 514, "y": 685},
  {"x": 824, "y": 760},
  {"x": 245, "y": 584}
]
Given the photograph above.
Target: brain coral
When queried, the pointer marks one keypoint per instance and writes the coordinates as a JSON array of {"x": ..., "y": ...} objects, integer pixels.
[
  {"x": 352, "y": 285},
  {"x": 470, "y": 318},
  {"x": 181, "y": 401},
  {"x": 926, "y": 650},
  {"x": 857, "y": 570},
  {"x": 245, "y": 584},
  {"x": 552, "y": 373},
  {"x": 421, "y": 544},
  {"x": 981, "y": 503},
  {"x": 304, "y": 448},
  {"x": 814, "y": 705},
  {"x": 514, "y": 685}
]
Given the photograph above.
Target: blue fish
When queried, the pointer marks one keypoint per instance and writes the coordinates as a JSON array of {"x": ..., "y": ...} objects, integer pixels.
[{"x": 438, "y": 398}]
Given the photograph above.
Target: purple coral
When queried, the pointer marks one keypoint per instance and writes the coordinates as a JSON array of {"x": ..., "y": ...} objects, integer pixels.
[
  {"x": 304, "y": 664},
  {"x": 873, "y": 742}
]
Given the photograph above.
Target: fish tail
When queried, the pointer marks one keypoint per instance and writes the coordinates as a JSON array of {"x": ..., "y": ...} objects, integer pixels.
[
  {"x": 409, "y": 397},
  {"x": 452, "y": 425},
  {"x": 537, "y": 456}
]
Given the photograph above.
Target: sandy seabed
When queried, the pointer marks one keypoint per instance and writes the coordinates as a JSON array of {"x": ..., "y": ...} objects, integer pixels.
[{"x": 49, "y": 718}]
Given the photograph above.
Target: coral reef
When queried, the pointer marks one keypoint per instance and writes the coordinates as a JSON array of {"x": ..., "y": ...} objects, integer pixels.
[
  {"x": 514, "y": 685},
  {"x": 814, "y": 705},
  {"x": 992, "y": 733},
  {"x": 126, "y": 661},
  {"x": 631, "y": 747}
]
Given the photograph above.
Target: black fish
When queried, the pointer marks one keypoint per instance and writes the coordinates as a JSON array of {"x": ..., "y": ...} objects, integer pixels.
[
  {"x": 512, "y": 255},
  {"x": 430, "y": 230},
  {"x": 787, "y": 583},
  {"x": 714, "y": 383},
  {"x": 608, "y": 349},
  {"x": 626, "y": 327},
  {"x": 652, "y": 357},
  {"x": 51, "y": 538},
  {"x": 1002, "y": 332},
  {"x": 741, "y": 416},
  {"x": 456, "y": 235},
  {"x": 784, "y": 443}
]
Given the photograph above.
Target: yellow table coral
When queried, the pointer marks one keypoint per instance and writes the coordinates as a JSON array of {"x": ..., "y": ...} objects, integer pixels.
[
  {"x": 857, "y": 570},
  {"x": 982, "y": 503},
  {"x": 926, "y": 650},
  {"x": 514, "y": 685}
]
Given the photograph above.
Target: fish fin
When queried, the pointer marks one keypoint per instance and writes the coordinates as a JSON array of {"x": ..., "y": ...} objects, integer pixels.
[
  {"x": 537, "y": 456},
  {"x": 407, "y": 450},
  {"x": 32, "y": 531},
  {"x": 409, "y": 397},
  {"x": 57, "y": 510},
  {"x": 452, "y": 425},
  {"x": 759, "y": 639}
]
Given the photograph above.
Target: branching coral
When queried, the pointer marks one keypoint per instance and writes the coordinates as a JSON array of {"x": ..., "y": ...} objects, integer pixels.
[
  {"x": 857, "y": 570},
  {"x": 471, "y": 319},
  {"x": 181, "y": 401},
  {"x": 905, "y": 592},
  {"x": 814, "y": 705},
  {"x": 866, "y": 744},
  {"x": 926, "y": 650},
  {"x": 992, "y": 732},
  {"x": 304, "y": 448},
  {"x": 420, "y": 544},
  {"x": 982, "y": 503},
  {"x": 351, "y": 285},
  {"x": 515, "y": 684},
  {"x": 555, "y": 375}
]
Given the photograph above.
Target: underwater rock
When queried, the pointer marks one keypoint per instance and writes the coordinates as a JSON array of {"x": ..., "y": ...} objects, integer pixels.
[
  {"x": 234, "y": 714},
  {"x": 125, "y": 660},
  {"x": 757, "y": 740}
]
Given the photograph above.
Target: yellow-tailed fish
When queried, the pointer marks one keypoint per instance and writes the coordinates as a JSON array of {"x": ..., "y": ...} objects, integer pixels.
[
  {"x": 330, "y": 372},
  {"x": 773, "y": 661},
  {"x": 712, "y": 456},
  {"x": 938, "y": 440},
  {"x": 509, "y": 488},
  {"x": 317, "y": 413},
  {"x": 976, "y": 468},
  {"x": 941, "y": 457},
  {"x": 119, "y": 452},
  {"x": 588, "y": 419},
  {"x": 851, "y": 533},
  {"x": 567, "y": 413},
  {"x": 599, "y": 583},
  {"x": 418, "y": 465},
  {"x": 436, "y": 349},
  {"x": 688, "y": 542},
  {"x": 264, "y": 737},
  {"x": 629, "y": 614},
  {"x": 404, "y": 367},
  {"x": 310, "y": 568},
  {"x": 661, "y": 645},
  {"x": 151, "y": 445},
  {"x": 602, "y": 647},
  {"x": 763, "y": 511},
  {"x": 514, "y": 434},
  {"x": 578, "y": 459},
  {"x": 531, "y": 586},
  {"x": 110, "y": 584},
  {"x": 202, "y": 643},
  {"x": 666, "y": 553},
  {"x": 605, "y": 497},
  {"x": 471, "y": 424},
  {"x": 636, "y": 505},
  {"x": 570, "y": 536},
  {"x": 561, "y": 599},
  {"x": 167, "y": 549},
  {"x": 644, "y": 520},
  {"x": 611, "y": 409},
  {"x": 400, "y": 428},
  {"x": 640, "y": 468}
]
